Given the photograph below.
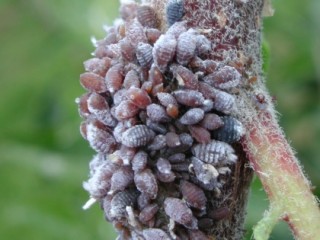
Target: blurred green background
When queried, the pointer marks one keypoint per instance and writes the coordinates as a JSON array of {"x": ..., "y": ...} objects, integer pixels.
[{"x": 43, "y": 159}]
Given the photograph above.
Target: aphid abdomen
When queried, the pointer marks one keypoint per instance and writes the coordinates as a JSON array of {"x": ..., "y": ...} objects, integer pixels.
[
  {"x": 186, "y": 47},
  {"x": 214, "y": 152},
  {"x": 192, "y": 116},
  {"x": 99, "y": 139},
  {"x": 147, "y": 16},
  {"x": 148, "y": 213},
  {"x": 93, "y": 82},
  {"x": 121, "y": 179},
  {"x": 114, "y": 78},
  {"x": 174, "y": 11},
  {"x": 185, "y": 77},
  {"x": 144, "y": 54},
  {"x": 163, "y": 51},
  {"x": 120, "y": 201},
  {"x": 137, "y": 136},
  {"x": 189, "y": 98},
  {"x": 231, "y": 131}
]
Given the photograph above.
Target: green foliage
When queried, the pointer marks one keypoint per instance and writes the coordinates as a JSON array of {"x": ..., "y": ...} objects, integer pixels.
[{"x": 43, "y": 157}]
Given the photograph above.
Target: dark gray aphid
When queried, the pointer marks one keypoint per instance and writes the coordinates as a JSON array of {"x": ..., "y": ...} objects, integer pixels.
[
  {"x": 174, "y": 11},
  {"x": 120, "y": 201},
  {"x": 214, "y": 152},
  {"x": 136, "y": 136},
  {"x": 177, "y": 158},
  {"x": 144, "y": 54},
  {"x": 231, "y": 131}
]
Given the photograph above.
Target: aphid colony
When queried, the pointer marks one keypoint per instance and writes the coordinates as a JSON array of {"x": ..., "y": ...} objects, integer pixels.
[{"x": 157, "y": 114}]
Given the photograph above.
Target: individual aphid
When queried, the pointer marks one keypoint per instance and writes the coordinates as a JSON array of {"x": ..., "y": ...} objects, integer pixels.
[
  {"x": 185, "y": 77},
  {"x": 205, "y": 173},
  {"x": 163, "y": 165},
  {"x": 127, "y": 50},
  {"x": 166, "y": 98},
  {"x": 155, "y": 234},
  {"x": 144, "y": 54},
  {"x": 203, "y": 46},
  {"x": 211, "y": 121},
  {"x": 128, "y": 10},
  {"x": 224, "y": 102},
  {"x": 219, "y": 213},
  {"x": 83, "y": 105},
  {"x": 99, "y": 184},
  {"x": 97, "y": 65},
  {"x": 121, "y": 179},
  {"x": 177, "y": 28},
  {"x": 135, "y": 32},
  {"x": 139, "y": 161},
  {"x": 147, "y": 16},
  {"x": 148, "y": 213},
  {"x": 172, "y": 110},
  {"x": 193, "y": 195},
  {"x": 158, "y": 143},
  {"x": 137, "y": 136},
  {"x": 201, "y": 134},
  {"x": 98, "y": 106},
  {"x": 231, "y": 131},
  {"x": 118, "y": 131},
  {"x": 120, "y": 201},
  {"x": 126, "y": 110},
  {"x": 174, "y": 11},
  {"x": 189, "y": 98},
  {"x": 152, "y": 35},
  {"x": 114, "y": 78},
  {"x": 126, "y": 154},
  {"x": 178, "y": 211},
  {"x": 163, "y": 51},
  {"x": 192, "y": 116},
  {"x": 146, "y": 183},
  {"x": 214, "y": 152},
  {"x": 197, "y": 234},
  {"x": 93, "y": 82},
  {"x": 156, "y": 127},
  {"x": 131, "y": 80},
  {"x": 186, "y": 47},
  {"x": 157, "y": 113},
  {"x": 177, "y": 158},
  {"x": 139, "y": 97},
  {"x": 224, "y": 78},
  {"x": 99, "y": 139},
  {"x": 172, "y": 139}
]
